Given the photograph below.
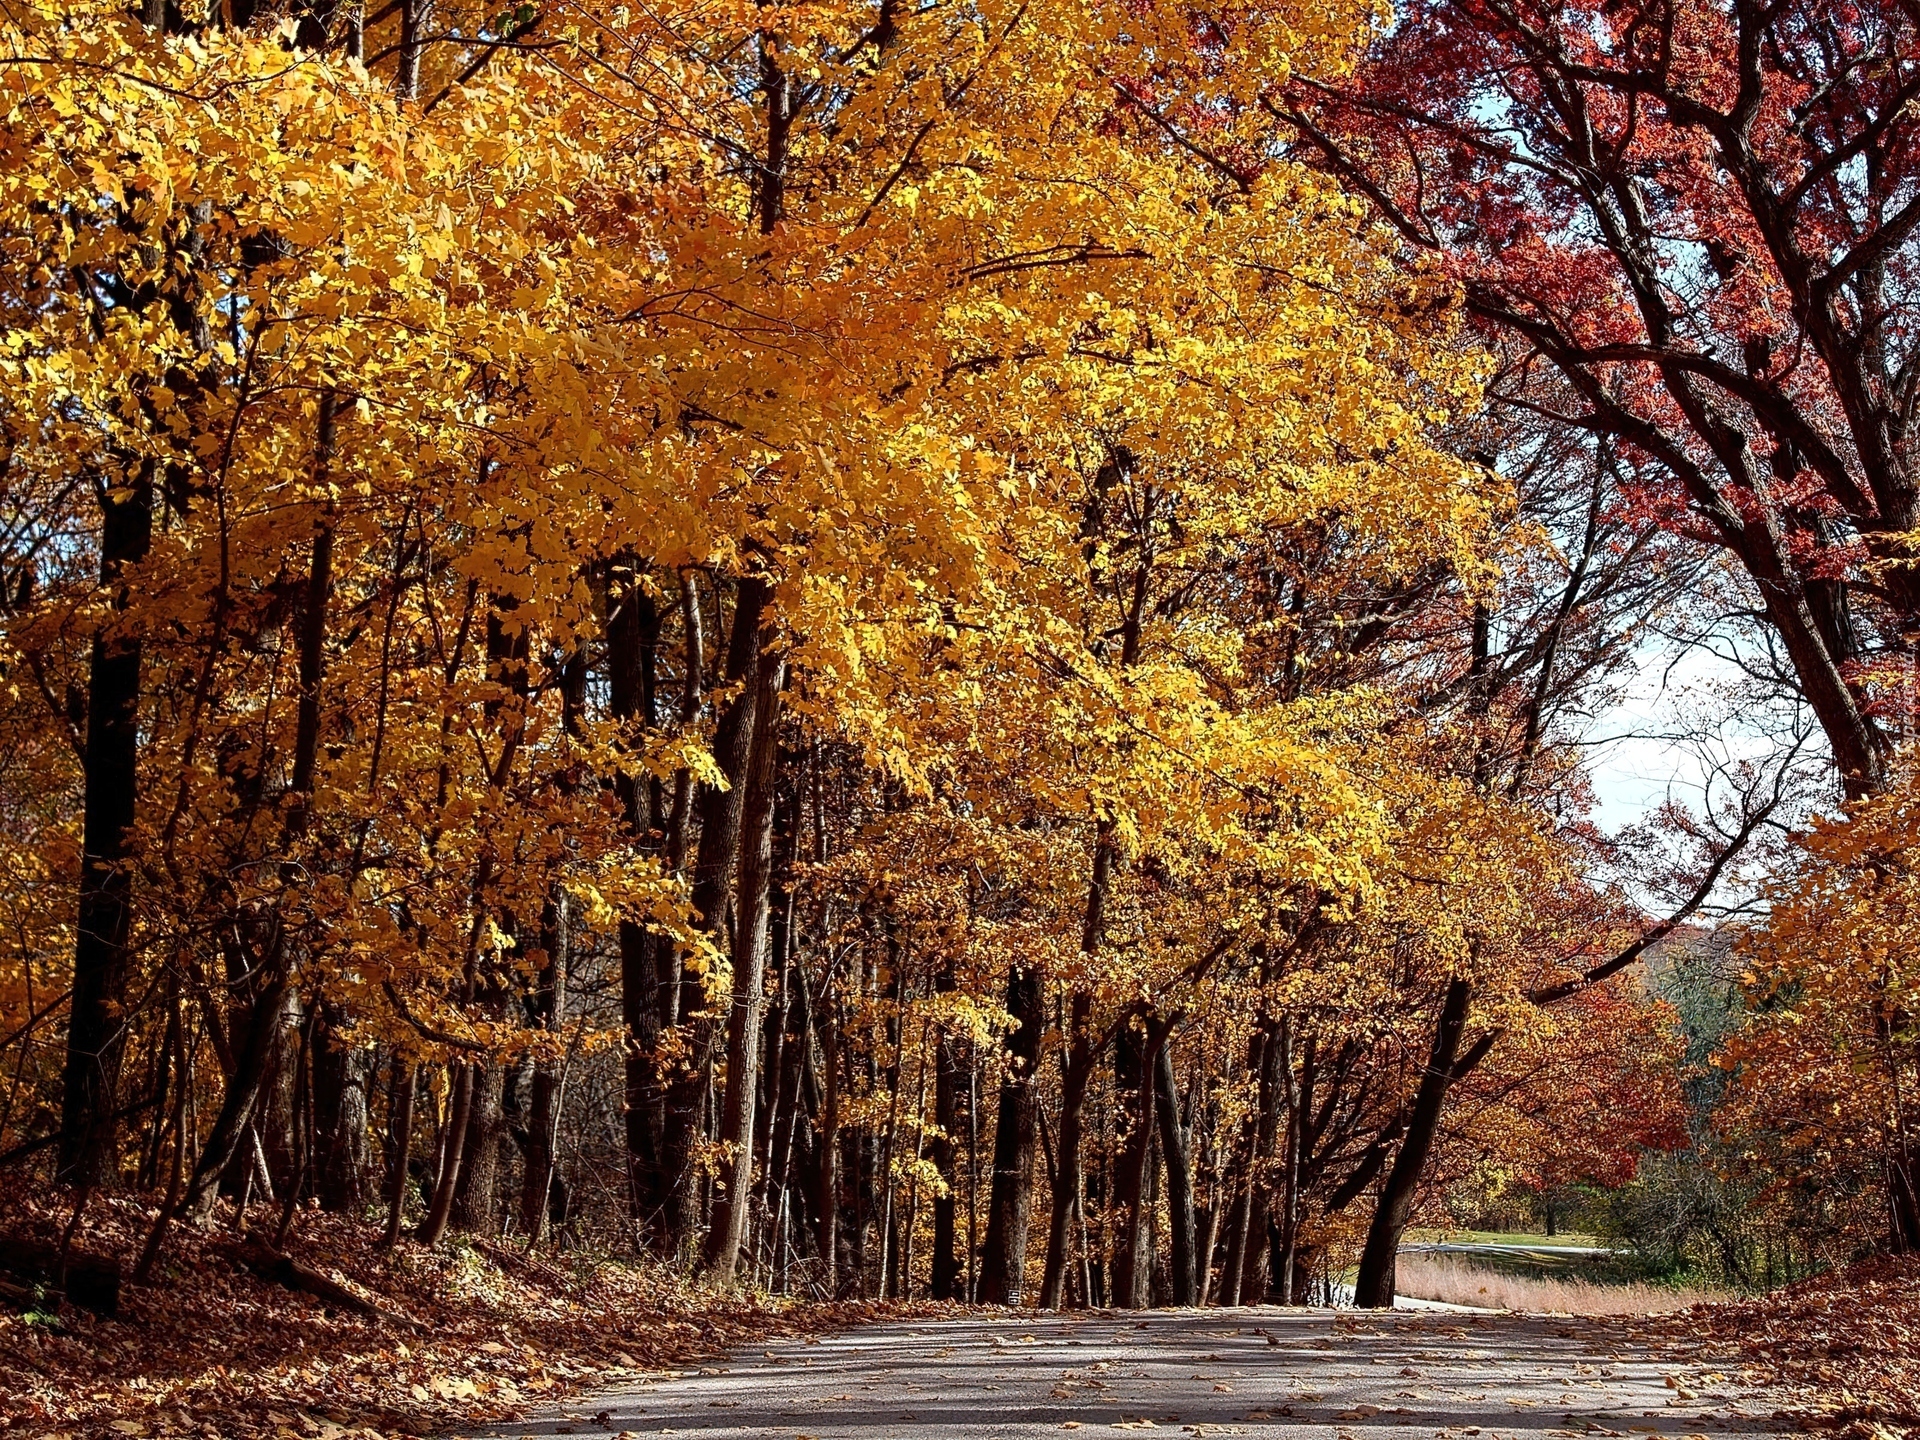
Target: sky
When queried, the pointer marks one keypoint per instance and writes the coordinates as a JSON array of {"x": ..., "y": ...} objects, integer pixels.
[{"x": 1682, "y": 711}]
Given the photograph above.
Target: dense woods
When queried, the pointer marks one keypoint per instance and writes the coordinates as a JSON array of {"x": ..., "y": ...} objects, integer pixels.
[{"x": 894, "y": 650}]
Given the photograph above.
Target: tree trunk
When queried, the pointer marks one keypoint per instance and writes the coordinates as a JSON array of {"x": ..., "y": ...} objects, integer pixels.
[
  {"x": 1247, "y": 1159},
  {"x": 1174, "y": 1146},
  {"x": 1081, "y": 1056},
  {"x": 1257, "y": 1244},
  {"x": 1003, "y": 1259},
  {"x": 255, "y": 1060},
  {"x": 720, "y": 824},
  {"x": 776, "y": 1054},
  {"x": 946, "y": 1083},
  {"x": 1306, "y": 1257},
  {"x": 1069, "y": 1166},
  {"x": 476, "y": 1193},
  {"x": 270, "y": 980},
  {"x": 416, "y": 20},
  {"x": 1299, "y": 1098},
  {"x": 543, "y": 1117},
  {"x": 453, "y": 1153},
  {"x": 96, "y": 1030},
  {"x": 633, "y": 638},
  {"x": 404, "y": 1085},
  {"x": 342, "y": 1077},
  {"x": 827, "y": 1179},
  {"x": 1374, "y": 1288},
  {"x": 785, "y": 1205},
  {"x": 749, "y": 967},
  {"x": 1134, "y": 1070}
]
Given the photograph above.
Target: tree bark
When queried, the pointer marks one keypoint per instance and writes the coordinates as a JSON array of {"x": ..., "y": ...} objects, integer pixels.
[
  {"x": 343, "y": 1115},
  {"x": 1081, "y": 1050},
  {"x": 1133, "y": 1070},
  {"x": 633, "y": 637},
  {"x": 1174, "y": 1145},
  {"x": 404, "y": 1086},
  {"x": 1256, "y": 1245},
  {"x": 1239, "y": 1217},
  {"x": 827, "y": 1177},
  {"x": 720, "y": 823},
  {"x": 1299, "y": 1098},
  {"x": 416, "y": 20},
  {"x": 255, "y": 1060},
  {"x": 476, "y": 1193},
  {"x": 1003, "y": 1259},
  {"x": 1069, "y": 1169},
  {"x": 269, "y": 981},
  {"x": 945, "y": 1278},
  {"x": 749, "y": 967},
  {"x": 1374, "y": 1288},
  {"x": 543, "y": 1119},
  {"x": 453, "y": 1148},
  {"x": 96, "y": 1027}
]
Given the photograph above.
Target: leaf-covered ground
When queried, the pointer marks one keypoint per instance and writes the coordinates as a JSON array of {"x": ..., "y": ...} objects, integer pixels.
[
  {"x": 209, "y": 1350},
  {"x": 1848, "y": 1341}
]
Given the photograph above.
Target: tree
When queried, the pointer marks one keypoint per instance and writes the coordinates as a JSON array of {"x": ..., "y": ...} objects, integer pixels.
[
  {"x": 1823, "y": 1062},
  {"x": 1702, "y": 219}
]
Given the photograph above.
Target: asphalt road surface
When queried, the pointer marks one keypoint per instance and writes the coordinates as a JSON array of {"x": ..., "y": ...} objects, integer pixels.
[{"x": 1305, "y": 1375}]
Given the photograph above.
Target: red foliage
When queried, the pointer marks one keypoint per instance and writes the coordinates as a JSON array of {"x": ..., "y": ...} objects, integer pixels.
[{"x": 1701, "y": 218}]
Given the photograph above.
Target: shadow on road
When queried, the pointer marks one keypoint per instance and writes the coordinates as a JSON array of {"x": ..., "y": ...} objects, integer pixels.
[{"x": 1322, "y": 1374}]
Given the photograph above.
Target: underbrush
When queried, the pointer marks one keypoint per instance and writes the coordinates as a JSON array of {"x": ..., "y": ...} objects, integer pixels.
[
  {"x": 1457, "y": 1282},
  {"x": 478, "y": 1331}
]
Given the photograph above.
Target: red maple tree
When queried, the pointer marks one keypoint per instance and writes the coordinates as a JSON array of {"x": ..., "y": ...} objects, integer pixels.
[{"x": 1689, "y": 226}]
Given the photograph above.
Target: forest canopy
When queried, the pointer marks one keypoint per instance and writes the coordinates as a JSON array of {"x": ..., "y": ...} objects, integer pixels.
[{"x": 890, "y": 650}]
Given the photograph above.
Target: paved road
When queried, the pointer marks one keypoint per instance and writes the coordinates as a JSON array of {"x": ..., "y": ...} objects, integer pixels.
[
  {"x": 1502, "y": 1251},
  {"x": 1305, "y": 1375}
]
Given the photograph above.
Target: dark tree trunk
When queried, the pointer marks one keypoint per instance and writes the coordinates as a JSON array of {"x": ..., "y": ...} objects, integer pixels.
[
  {"x": 342, "y": 1077},
  {"x": 453, "y": 1150},
  {"x": 785, "y": 1205},
  {"x": 256, "y": 1058},
  {"x": 1069, "y": 1166},
  {"x": 944, "y": 1153},
  {"x": 509, "y": 647},
  {"x": 416, "y": 20},
  {"x": 268, "y": 984},
  {"x": 827, "y": 1177},
  {"x": 1903, "y": 1208},
  {"x": 633, "y": 639},
  {"x": 1305, "y": 1259},
  {"x": 476, "y": 1194},
  {"x": 1174, "y": 1146},
  {"x": 1082, "y": 1053},
  {"x": 96, "y": 1028},
  {"x": 1133, "y": 1074},
  {"x": 1299, "y": 1098},
  {"x": 543, "y": 1117},
  {"x": 403, "y": 1087},
  {"x": 1239, "y": 1201},
  {"x": 1003, "y": 1259},
  {"x": 1374, "y": 1288},
  {"x": 1257, "y": 1246}
]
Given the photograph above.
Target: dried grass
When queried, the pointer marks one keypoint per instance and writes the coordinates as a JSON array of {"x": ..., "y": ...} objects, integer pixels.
[{"x": 1448, "y": 1278}]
